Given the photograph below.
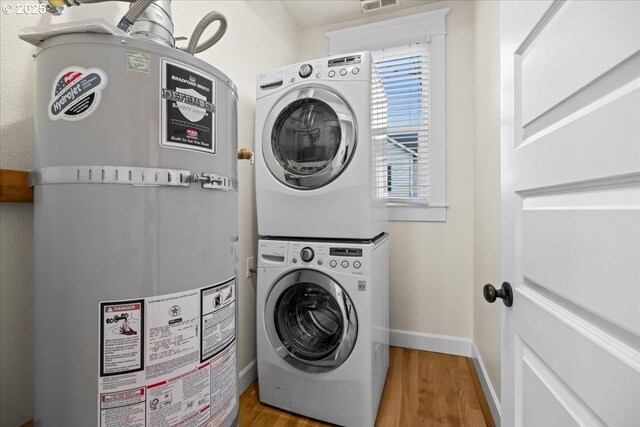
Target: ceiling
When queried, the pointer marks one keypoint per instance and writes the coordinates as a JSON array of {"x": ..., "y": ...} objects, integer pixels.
[{"x": 312, "y": 13}]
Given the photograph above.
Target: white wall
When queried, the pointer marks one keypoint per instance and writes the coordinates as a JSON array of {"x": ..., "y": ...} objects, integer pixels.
[
  {"x": 486, "y": 204},
  {"x": 432, "y": 263},
  {"x": 260, "y": 36}
]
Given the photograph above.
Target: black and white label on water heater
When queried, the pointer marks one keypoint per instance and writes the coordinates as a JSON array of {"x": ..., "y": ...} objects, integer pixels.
[
  {"x": 218, "y": 318},
  {"x": 188, "y": 107},
  {"x": 76, "y": 93},
  {"x": 169, "y": 359},
  {"x": 121, "y": 333}
]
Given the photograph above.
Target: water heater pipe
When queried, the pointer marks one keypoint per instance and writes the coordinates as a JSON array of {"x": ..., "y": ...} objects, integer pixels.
[
  {"x": 208, "y": 19},
  {"x": 135, "y": 10},
  {"x": 156, "y": 26},
  {"x": 151, "y": 23}
]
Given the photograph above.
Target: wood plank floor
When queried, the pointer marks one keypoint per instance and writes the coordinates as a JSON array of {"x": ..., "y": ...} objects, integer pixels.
[{"x": 423, "y": 389}]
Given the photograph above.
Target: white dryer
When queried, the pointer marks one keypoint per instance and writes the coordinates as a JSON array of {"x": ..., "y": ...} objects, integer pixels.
[
  {"x": 321, "y": 150},
  {"x": 322, "y": 327}
]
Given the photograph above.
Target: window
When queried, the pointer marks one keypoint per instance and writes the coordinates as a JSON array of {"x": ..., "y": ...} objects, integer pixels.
[
  {"x": 404, "y": 74},
  {"x": 409, "y": 54}
]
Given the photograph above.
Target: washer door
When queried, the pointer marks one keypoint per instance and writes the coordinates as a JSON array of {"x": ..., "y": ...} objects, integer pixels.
[
  {"x": 309, "y": 138},
  {"x": 311, "y": 321}
]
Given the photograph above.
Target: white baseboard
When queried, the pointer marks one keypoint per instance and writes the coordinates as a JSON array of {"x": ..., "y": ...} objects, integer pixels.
[
  {"x": 431, "y": 342},
  {"x": 247, "y": 376},
  {"x": 489, "y": 392}
]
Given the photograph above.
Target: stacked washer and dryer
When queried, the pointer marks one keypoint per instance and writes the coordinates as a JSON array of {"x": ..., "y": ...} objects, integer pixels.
[{"x": 323, "y": 256}]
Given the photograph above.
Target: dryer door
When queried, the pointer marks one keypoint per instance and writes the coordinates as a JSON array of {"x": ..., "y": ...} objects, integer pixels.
[
  {"x": 311, "y": 321},
  {"x": 309, "y": 138}
]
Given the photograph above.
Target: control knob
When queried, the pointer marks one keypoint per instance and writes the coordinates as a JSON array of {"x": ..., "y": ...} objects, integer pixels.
[
  {"x": 305, "y": 70},
  {"x": 306, "y": 254}
]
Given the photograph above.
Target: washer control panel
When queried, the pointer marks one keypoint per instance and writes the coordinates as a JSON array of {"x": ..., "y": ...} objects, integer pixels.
[
  {"x": 348, "y": 258},
  {"x": 355, "y": 66},
  {"x": 311, "y": 254},
  {"x": 343, "y": 68}
]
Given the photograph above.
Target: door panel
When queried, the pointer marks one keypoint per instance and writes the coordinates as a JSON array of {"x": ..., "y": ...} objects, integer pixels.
[
  {"x": 608, "y": 87},
  {"x": 600, "y": 370},
  {"x": 599, "y": 141},
  {"x": 547, "y": 409},
  {"x": 573, "y": 49},
  {"x": 552, "y": 403},
  {"x": 563, "y": 251},
  {"x": 571, "y": 212}
]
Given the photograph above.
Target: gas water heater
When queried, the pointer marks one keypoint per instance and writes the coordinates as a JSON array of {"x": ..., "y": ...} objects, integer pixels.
[{"x": 135, "y": 225}]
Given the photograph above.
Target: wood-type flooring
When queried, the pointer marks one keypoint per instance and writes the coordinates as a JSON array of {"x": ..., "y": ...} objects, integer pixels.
[{"x": 423, "y": 389}]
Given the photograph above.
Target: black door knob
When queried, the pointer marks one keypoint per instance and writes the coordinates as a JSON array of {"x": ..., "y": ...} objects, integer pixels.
[{"x": 505, "y": 292}]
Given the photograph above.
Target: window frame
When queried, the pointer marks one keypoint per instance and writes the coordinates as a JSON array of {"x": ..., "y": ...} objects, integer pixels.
[{"x": 427, "y": 27}]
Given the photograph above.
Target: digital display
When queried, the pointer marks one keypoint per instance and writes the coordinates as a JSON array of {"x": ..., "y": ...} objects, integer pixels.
[
  {"x": 346, "y": 60},
  {"x": 356, "y": 252}
]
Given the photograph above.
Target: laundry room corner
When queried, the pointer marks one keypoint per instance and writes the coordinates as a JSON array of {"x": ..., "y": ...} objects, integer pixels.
[
  {"x": 487, "y": 203},
  {"x": 259, "y": 36},
  {"x": 431, "y": 263}
]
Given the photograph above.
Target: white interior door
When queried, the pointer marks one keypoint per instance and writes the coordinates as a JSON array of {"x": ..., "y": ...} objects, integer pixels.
[{"x": 571, "y": 213}]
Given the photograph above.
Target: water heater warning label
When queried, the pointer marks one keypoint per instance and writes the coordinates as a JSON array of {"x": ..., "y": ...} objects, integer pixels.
[
  {"x": 188, "y": 108},
  {"x": 169, "y": 359},
  {"x": 122, "y": 336},
  {"x": 218, "y": 318}
]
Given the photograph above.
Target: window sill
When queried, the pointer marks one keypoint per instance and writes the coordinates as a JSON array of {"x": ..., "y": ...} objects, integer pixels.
[{"x": 417, "y": 213}]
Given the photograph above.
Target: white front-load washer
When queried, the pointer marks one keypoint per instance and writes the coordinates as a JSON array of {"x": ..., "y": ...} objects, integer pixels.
[
  {"x": 321, "y": 150},
  {"x": 322, "y": 327}
]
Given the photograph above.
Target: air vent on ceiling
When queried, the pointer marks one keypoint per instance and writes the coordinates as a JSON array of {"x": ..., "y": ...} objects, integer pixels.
[{"x": 371, "y": 5}]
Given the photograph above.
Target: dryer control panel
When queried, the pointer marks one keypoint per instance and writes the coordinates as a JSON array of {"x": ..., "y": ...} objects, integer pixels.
[{"x": 349, "y": 67}]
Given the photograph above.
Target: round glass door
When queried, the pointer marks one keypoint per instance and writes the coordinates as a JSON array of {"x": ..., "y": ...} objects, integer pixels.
[
  {"x": 309, "y": 138},
  {"x": 311, "y": 321}
]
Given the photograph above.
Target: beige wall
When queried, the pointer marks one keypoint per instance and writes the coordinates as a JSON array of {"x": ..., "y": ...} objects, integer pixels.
[
  {"x": 437, "y": 270},
  {"x": 432, "y": 263},
  {"x": 260, "y": 36},
  {"x": 486, "y": 202}
]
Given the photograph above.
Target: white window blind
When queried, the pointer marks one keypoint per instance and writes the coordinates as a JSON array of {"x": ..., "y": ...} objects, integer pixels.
[
  {"x": 404, "y": 74},
  {"x": 410, "y": 56},
  {"x": 379, "y": 135}
]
